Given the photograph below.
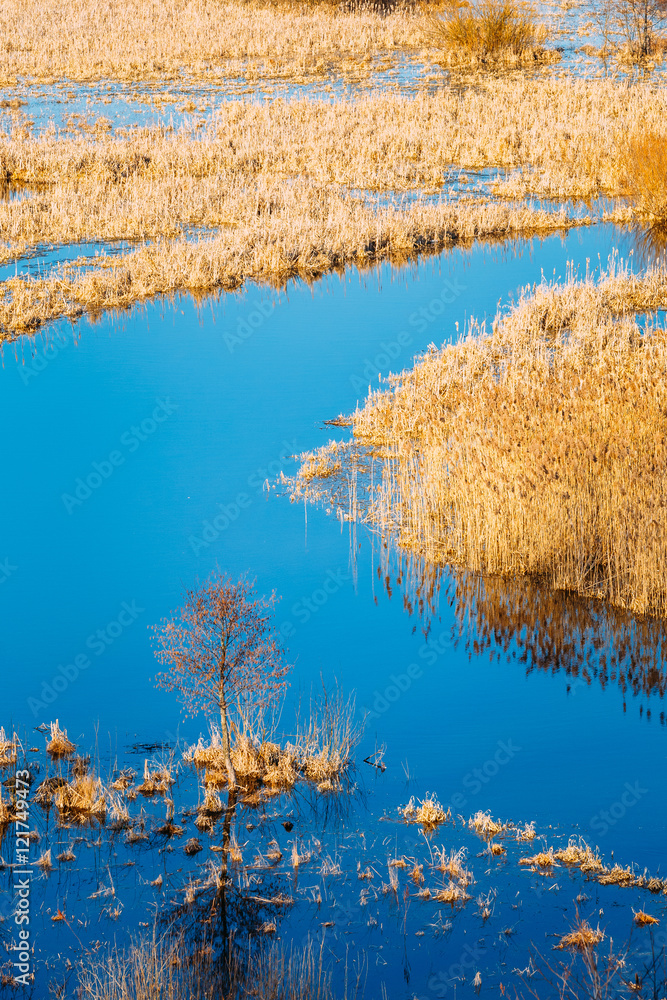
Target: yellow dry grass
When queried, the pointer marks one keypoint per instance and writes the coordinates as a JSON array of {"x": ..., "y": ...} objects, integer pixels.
[
  {"x": 539, "y": 449},
  {"x": 321, "y": 752},
  {"x": 643, "y": 919},
  {"x": 644, "y": 159},
  {"x": 81, "y": 801},
  {"x": 484, "y": 825},
  {"x": 212, "y": 39},
  {"x": 452, "y": 864},
  {"x": 426, "y": 811},
  {"x": 269, "y": 185},
  {"x": 59, "y": 744},
  {"x": 453, "y": 894},
  {"x": 6, "y": 812},
  {"x": 543, "y": 859},
  {"x": 579, "y": 856},
  {"x": 583, "y": 938},
  {"x": 7, "y": 749},
  {"x": 497, "y": 33}
]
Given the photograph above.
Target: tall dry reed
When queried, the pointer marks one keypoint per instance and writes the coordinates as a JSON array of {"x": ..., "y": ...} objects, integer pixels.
[{"x": 539, "y": 448}]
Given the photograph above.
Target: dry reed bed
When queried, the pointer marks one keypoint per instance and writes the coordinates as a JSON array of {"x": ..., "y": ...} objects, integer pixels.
[
  {"x": 273, "y": 181},
  {"x": 302, "y": 232},
  {"x": 151, "y": 39},
  {"x": 570, "y": 133},
  {"x": 538, "y": 449}
]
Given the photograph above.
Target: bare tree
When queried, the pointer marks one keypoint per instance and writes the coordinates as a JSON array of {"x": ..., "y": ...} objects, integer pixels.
[
  {"x": 633, "y": 21},
  {"x": 221, "y": 652}
]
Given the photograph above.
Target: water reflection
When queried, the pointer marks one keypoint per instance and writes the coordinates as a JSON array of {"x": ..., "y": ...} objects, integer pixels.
[
  {"x": 547, "y": 630},
  {"x": 649, "y": 244}
]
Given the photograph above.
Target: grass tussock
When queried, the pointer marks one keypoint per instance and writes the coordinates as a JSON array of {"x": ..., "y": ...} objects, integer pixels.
[
  {"x": 81, "y": 800},
  {"x": 320, "y": 753},
  {"x": 453, "y": 865},
  {"x": 583, "y": 938},
  {"x": 539, "y": 449},
  {"x": 643, "y": 919},
  {"x": 485, "y": 826},
  {"x": 579, "y": 856},
  {"x": 8, "y": 748},
  {"x": 59, "y": 744},
  {"x": 489, "y": 32},
  {"x": 6, "y": 812},
  {"x": 644, "y": 161},
  {"x": 543, "y": 859},
  {"x": 427, "y": 811}
]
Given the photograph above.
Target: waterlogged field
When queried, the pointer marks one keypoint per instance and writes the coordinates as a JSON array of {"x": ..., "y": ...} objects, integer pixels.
[{"x": 463, "y": 790}]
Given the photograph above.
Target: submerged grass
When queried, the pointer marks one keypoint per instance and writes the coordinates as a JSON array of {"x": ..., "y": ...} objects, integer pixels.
[{"x": 538, "y": 449}]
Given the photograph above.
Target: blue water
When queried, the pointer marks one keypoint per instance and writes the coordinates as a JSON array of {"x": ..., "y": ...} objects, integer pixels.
[{"x": 169, "y": 420}]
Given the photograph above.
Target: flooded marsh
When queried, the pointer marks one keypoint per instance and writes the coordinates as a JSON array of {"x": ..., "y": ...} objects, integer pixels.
[{"x": 332, "y": 569}]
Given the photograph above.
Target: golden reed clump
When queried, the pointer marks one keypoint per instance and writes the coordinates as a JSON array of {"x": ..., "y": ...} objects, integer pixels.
[
  {"x": 489, "y": 33},
  {"x": 539, "y": 449}
]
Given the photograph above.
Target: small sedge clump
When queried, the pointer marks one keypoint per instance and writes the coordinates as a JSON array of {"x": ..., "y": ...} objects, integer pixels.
[
  {"x": 7, "y": 749},
  {"x": 59, "y": 744},
  {"x": 427, "y": 811},
  {"x": 583, "y": 938},
  {"x": 643, "y": 919},
  {"x": 81, "y": 801}
]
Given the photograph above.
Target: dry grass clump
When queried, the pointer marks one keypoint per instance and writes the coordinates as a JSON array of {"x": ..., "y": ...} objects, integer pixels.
[
  {"x": 7, "y": 749},
  {"x": 543, "y": 859},
  {"x": 155, "y": 782},
  {"x": 617, "y": 876},
  {"x": 579, "y": 856},
  {"x": 582, "y": 938},
  {"x": 59, "y": 745},
  {"x": 526, "y": 832},
  {"x": 489, "y": 32},
  {"x": 81, "y": 801},
  {"x": 644, "y": 919},
  {"x": 538, "y": 449},
  {"x": 643, "y": 156},
  {"x": 6, "y": 812},
  {"x": 427, "y": 811},
  {"x": 44, "y": 861},
  {"x": 453, "y": 894},
  {"x": 484, "y": 825},
  {"x": 320, "y": 753},
  {"x": 452, "y": 864}
]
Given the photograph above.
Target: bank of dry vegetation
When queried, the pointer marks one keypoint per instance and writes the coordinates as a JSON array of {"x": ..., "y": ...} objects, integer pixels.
[
  {"x": 267, "y": 191},
  {"x": 539, "y": 448},
  {"x": 209, "y": 39}
]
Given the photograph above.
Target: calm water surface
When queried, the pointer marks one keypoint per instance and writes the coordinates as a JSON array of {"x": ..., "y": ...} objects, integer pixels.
[{"x": 138, "y": 452}]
